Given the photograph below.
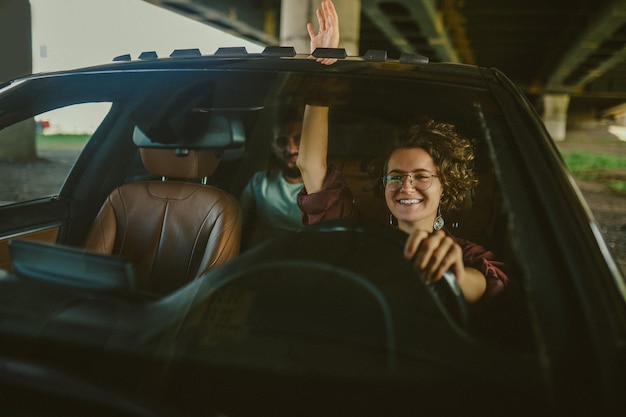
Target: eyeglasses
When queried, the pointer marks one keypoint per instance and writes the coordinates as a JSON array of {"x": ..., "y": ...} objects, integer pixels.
[{"x": 421, "y": 180}]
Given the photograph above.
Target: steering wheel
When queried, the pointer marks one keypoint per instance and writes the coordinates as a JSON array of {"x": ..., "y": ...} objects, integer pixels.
[{"x": 446, "y": 290}]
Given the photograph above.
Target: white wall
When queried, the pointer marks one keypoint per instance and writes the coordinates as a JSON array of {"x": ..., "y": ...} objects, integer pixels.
[{"x": 77, "y": 33}]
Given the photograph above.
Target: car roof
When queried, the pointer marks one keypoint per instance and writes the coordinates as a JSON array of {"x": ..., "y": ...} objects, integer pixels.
[{"x": 371, "y": 63}]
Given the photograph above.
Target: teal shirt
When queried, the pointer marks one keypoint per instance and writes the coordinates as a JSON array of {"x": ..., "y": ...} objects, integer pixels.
[{"x": 270, "y": 207}]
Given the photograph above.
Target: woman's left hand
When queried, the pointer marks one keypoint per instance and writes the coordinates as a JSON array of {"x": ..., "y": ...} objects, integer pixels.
[
  {"x": 433, "y": 254},
  {"x": 328, "y": 34}
]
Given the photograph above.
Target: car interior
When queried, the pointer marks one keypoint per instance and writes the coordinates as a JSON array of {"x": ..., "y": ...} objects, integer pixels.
[
  {"x": 171, "y": 231},
  {"x": 356, "y": 141},
  {"x": 159, "y": 154}
]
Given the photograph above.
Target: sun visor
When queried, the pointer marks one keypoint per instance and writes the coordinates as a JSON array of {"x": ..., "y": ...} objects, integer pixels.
[{"x": 202, "y": 130}]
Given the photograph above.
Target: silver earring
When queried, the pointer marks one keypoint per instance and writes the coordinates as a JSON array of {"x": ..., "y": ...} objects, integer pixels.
[
  {"x": 392, "y": 220},
  {"x": 438, "y": 220}
]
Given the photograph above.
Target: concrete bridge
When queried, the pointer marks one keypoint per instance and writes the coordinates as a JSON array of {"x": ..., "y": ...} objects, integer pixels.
[{"x": 568, "y": 56}]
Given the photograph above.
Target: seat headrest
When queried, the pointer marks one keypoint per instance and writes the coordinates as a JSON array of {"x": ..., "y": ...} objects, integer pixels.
[
  {"x": 201, "y": 131},
  {"x": 192, "y": 164}
]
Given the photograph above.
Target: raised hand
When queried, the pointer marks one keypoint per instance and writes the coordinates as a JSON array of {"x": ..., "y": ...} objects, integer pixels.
[{"x": 328, "y": 34}]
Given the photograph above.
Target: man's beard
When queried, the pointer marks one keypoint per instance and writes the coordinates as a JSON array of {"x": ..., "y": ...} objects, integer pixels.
[{"x": 289, "y": 171}]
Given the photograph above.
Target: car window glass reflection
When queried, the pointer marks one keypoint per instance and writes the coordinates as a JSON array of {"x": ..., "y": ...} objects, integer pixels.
[{"x": 37, "y": 154}]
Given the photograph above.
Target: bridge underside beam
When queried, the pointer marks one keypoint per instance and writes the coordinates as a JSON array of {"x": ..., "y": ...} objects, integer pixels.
[
  {"x": 600, "y": 48},
  {"x": 414, "y": 27}
]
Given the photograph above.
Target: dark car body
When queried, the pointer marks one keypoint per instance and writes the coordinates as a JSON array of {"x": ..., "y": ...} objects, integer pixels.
[{"x": 329, "y": 320}]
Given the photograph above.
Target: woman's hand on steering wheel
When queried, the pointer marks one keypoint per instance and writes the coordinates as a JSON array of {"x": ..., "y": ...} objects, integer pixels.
[{"x": 433, "y": 254}]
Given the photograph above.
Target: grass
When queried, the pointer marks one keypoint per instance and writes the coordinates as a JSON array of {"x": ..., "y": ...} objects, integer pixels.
[
  {"x": 75, "y": 142},
  {"x": 604, "y": 168},
  {"x": 617, "y": 186}
]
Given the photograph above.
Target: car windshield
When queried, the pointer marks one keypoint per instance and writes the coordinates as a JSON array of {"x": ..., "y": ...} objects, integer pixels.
[{"x": 341, "y": 300}]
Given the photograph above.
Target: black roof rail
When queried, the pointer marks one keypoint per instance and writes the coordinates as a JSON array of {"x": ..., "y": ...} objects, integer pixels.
[
  {"x": 181, "y": 53},
  {"x": 231, "y": 51},
  {"x": 125, "y": 57},
  {"x": 406, "y": 58},
  {"x": 376, "y": 55},
  {"x": 148, "y": 55},
  {"x": 279, "y": 51},
  {"x": 339, "y": 53}
]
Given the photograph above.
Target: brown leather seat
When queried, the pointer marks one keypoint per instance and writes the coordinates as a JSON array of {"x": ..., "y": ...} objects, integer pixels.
[{"x": 171, "y": 230}]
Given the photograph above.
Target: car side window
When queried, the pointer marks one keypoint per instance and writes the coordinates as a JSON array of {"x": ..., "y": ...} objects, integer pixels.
[{"x": 37, "y": 154}]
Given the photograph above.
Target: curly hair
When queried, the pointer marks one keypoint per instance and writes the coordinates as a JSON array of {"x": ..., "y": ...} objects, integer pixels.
[{"x": 452, "y": 153}]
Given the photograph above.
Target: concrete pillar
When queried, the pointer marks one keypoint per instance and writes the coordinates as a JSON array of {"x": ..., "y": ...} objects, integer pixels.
[
  {"x": 18, "y": 142},
  {"x": 555, "y": 114},
  {"x": 295, "y": 14},
  {"x": 15, "y": 39}
]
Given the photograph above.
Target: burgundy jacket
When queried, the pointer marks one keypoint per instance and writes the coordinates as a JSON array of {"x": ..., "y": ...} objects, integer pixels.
[{"x": 335, "y": 201}]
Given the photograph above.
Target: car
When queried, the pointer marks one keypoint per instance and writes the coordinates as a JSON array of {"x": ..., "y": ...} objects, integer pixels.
[{"x": 330, "y": 319}]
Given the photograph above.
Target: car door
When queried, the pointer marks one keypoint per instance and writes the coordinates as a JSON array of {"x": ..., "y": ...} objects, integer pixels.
[{"x": 37, "y": 154}]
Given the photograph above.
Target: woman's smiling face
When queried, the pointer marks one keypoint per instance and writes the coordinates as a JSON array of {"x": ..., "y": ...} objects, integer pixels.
[{"x": 413, "y": 208}]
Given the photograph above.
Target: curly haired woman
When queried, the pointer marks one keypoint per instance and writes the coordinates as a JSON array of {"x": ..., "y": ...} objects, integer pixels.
[{"x": 428, "y": 169}]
